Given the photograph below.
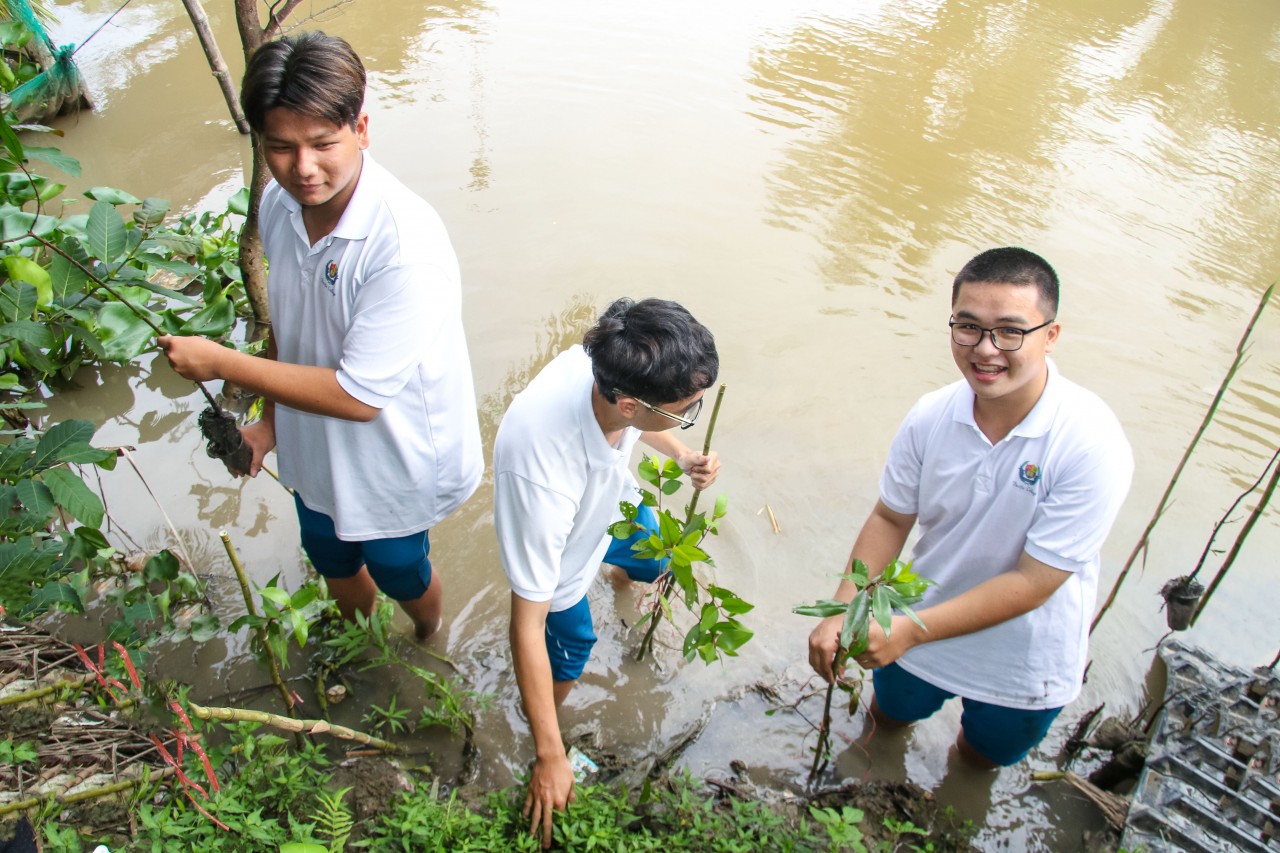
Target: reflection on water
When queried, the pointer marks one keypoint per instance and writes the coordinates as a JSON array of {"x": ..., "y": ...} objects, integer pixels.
[{"x": 806, "y": 176}]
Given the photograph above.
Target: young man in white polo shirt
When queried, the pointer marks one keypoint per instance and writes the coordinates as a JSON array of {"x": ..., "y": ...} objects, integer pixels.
[
  {"x": 368, "y": 390},
  {"x": 561, "y": 464},
  {"x": 1015, "y": 475}
]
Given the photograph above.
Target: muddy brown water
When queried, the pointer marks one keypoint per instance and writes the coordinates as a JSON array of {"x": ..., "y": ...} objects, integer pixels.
[{"x": 806, "y": 177}]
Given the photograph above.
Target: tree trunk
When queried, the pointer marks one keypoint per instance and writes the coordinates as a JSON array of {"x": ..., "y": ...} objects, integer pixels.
[
  {"x": 210, "y": 46},
  {"x": 252, "y": 260}
]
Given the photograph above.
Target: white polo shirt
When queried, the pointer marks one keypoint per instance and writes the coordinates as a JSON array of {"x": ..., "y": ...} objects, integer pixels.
[
  {"x": 380, "y": 301},
  {"x": 557, "y": 484},
  {"x": 1052, "y": 488}
]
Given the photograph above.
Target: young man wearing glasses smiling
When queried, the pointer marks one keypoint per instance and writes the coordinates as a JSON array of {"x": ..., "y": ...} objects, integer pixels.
[
  {"x": 1014, "y": 475},
  {"x": 562, "y": 462}
]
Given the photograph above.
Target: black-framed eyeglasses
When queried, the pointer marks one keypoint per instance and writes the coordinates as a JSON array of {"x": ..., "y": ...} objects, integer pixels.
[
  {"x": 686, "y": 419},
  {"x": 1006, "y": 338}
]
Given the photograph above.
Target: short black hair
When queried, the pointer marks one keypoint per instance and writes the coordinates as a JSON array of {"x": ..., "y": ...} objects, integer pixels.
[
  {"x": 1012, "y": 265},
  {"x": 653, "y": 349},
  {"x": 313, "y": 74}
]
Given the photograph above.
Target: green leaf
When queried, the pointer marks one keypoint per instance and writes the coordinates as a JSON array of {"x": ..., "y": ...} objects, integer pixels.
[
  {"x": 74, "y": 496},
  {"x": 55, "y": 158},
  {"x": 731, "y": 639},
  {"x": 11, "y": 143},
  {"x": 881, "y": 610},
  {"x": 124, "y": 334},
  {"x": 856, "y": 621},
  {"x": 302, "y": 847},
  {"x": 691, "y": 640},
  {"x": 736, "y": 606},
  {"x": 60, "y": 594},
  {"x": 25, "y": 269},
  {"x": 93, "y": 538},
  {"x": 106, "y": 233},
  {"x": 300, "y": 626},
  {"x": 28, "y": 331},
  {"x": 59, "y": 438},
  {"x": 161, "y": 567},
  {"x": 17, "y": 301},
  {"x": 65, "y": 277},
  {"x": 821, "y": 609},
  {"x": 214, "y": 319},
  {"x": 648, "y": 471},
  {"x": 111, "y": 196},
  {"x": 239, "y": 202},
  {"x": 204, "y": 627},
  {"x": 670, "y": 487},
  {"x": 671, "y": 469},
  {"x": 275, "y": 595},
  {"x": 36, "y": 497},
  {"x": 722, "y": 506},
  {"x": 151, "y": 213},
  {"x": 708, "y": 617}
]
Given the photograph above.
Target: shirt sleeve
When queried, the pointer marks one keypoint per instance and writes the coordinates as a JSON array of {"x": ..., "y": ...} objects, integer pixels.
[
  {"x": 1071, "y": 524},
  {"x": 400, "y": 314},
  {"x": 533, "y": 525},
  {"x": 900, "y": 480}
]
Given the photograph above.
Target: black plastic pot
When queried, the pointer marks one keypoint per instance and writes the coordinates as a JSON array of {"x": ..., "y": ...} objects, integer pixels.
[
  {"x": 223, "y": 440},
  {"x": 1181, "y": 595}
]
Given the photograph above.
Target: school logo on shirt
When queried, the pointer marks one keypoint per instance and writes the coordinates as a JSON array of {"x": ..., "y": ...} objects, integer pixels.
[
  {"x": 330, "y": 275},
  {"x": 1030, "y": 473}
]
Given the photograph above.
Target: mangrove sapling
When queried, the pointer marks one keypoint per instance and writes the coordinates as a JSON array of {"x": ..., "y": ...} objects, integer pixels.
[
  {"x": 717, "y": 630},
  {"x": 896, "y": 588}
]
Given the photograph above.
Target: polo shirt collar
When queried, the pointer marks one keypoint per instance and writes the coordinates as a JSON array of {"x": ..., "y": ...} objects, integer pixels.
[
  {"x": 600, "y": 454},
  {"x": 1037, "y": 421}
]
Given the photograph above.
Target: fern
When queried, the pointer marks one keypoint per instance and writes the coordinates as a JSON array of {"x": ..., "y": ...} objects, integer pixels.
[{"x": 333, "y": 819}]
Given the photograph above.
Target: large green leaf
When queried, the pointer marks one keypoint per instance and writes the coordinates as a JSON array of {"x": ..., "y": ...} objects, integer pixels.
[
  {"x": 35, "y": 496},
  {"x": 55, "y": 158},
  {"x": 25, "y": 269},
  {"x": 151, "y": 212},
  {"x": 17, "y": 301},
  {"x": 87, "y": 338},
  {"x": 36, "y": 334},
  {"x": 74, "y": 496},
  {"x": 11, "y": 142},
  {"x": 239, "y": 203},
  {"x": 124, "y": 334},
  {"x": 59, "y": 438},
  {"x": 106, "y": 233},
  {"x": 65, "y": 277},
  {"x": 15, "y": 224},
  {"x": 112, "y": 196}
]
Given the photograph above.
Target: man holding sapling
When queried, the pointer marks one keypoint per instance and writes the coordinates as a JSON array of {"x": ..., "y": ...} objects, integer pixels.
[
  {"x": 367, "y": 384},
  {"x": 561, "y": 466},
  {"x": 1015, "y": 475}
]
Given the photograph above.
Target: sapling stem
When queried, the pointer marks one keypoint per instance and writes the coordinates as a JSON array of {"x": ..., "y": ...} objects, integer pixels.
[
  {"x": 272, "y": 664},
  {"x": 666, "y": 581}
]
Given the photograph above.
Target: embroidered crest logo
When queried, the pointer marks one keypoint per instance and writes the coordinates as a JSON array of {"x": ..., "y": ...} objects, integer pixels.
[
  {"x": 330, "y": 275},
  {"x": 1030, "y": 473}
]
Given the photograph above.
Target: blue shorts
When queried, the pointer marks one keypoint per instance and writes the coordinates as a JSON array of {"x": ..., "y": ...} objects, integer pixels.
[
  {"x": 570, "y": 636},
  {"x": 399, "y": 566},
  {"x": 1002, "y": 735}
]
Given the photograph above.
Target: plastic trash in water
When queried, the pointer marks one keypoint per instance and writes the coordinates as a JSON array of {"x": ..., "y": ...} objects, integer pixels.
[{"x": 581, "y": 765}]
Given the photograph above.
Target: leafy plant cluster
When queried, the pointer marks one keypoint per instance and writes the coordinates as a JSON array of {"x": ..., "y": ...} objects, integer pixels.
[
  {"x": 717, "y": 630},
  {"x": 894, "y": 589}
]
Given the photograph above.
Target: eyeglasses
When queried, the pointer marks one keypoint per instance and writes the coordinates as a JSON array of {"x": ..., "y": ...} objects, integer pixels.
[
  {"x": 1006, "y": 338},
  {"x": 686, "y": 419}
]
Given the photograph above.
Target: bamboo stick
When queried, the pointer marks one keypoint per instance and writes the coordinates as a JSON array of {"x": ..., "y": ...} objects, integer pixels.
[
  {"x": 665, "y": 583},
  {"x": 1208, "y": 546},
  {"x": 39, "y": 692},
  {"x": 91, "y": 793},
  {"x": 272, "y": 663},
  {"x": 290, "y": 724},
  {"x": 1145, "y": 539}
]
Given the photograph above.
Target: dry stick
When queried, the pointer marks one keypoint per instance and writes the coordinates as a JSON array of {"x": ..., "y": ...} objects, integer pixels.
[
  {"x": 290, "y": 724},
  {"x": 1204, "y": 424},
  {"x": 39, "y": 692},
  {"x": 182, "y": 545},
  {"x": 1239, "y": 543},
  {"x": 1204, "y": 555},
  {"x": 272, "y": 663},
  {"x": 664, "y": 584}
]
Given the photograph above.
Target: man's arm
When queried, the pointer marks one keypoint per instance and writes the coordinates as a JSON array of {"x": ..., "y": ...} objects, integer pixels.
[
  {"x": 879, "y": 543},
  {"x": 551, "y": 782},
  {"x": 302, "y": 387},
  {"x": 702, "y": 469},
  {"x": 1006, "y": 596}
]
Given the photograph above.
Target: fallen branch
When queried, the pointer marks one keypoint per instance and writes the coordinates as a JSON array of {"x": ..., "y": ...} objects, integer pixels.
[
  {"x": 89, "y": 794},
  {"x": 290, "y": 724}
]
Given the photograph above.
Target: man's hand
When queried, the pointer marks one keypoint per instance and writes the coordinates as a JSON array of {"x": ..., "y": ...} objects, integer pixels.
[
  {"x": 550, "y": 790},
  {"x": 883, "y": 650},
  {"x": 702, "y": 470},
  {"x": 823, "y": 642},
  {"x": 195, "y": 358},
  {"x": 261, "y": 438}
]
